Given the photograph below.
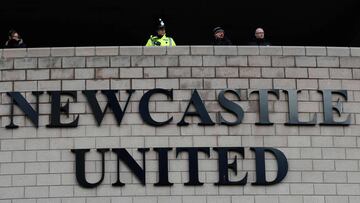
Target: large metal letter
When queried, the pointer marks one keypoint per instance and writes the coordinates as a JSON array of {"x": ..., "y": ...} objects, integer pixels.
[
  {"x": 200, "y": 111},
  {"x": 80, "y": 167},
  {"x": 20, "y": 101},
  {"x": 282, "y": 165},
  {"x": 293, "y": 110},
  {"x": 163, "y": 167},
  {"x": 224, "y": 165},
  {"x": 112, "y": 103},
  {"x": 130, "y": 162},
  {"x": 193, "y": 162},
  {"x": 328, "y": 107},
  {"x": 264, "y": 106},
  {"x": 231, "y": 106},
  {"x": 57, "y": 109},
  {"x": 144, "y": 106}
]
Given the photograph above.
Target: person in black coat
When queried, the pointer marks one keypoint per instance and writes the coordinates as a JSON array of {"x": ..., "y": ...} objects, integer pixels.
[
  {"x": 259, "y": 39},
  {"x": 14, "y": 41},
  {"x": 219, "y": 37}
]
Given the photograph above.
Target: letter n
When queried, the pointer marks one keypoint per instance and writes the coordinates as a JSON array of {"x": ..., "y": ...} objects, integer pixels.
[{"x": 18, "y": 100}]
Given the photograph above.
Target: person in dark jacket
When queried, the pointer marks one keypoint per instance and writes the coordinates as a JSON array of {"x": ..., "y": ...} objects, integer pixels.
[
  {"x": 219, "y": 37},
  {"x": 14, "y": 41},
  {"x": 259, "y": 39}
]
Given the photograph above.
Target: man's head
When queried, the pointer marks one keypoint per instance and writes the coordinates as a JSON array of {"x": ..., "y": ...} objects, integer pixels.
[
  {"x": 259, "y": 33},
  {"x": 14, "y": 35},
  {"x": 161, "y": 28},
  {"x": 219, "y": 33},
  {"x": 161, "y": 31}
]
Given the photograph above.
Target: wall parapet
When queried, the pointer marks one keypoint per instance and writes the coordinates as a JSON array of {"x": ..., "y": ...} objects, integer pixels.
[{"x": 181, "y": 50}]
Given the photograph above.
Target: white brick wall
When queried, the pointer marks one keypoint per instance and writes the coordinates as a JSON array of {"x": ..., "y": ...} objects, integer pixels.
[{"x": 36, "y": 165}]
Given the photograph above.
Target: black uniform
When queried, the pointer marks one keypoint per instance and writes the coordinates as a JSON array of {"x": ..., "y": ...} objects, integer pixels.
[
  {"x": 223, "y": 41},
  {"x": 260, "y": 42},
  {"x": 15, "y": 44}
]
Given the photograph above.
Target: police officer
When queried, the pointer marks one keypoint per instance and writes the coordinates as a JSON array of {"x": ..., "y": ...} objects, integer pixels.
[{"x": 160, "y": 39}]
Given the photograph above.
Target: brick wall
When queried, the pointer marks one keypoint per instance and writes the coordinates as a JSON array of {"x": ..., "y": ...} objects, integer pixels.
[{"x": 36, "y": 164}]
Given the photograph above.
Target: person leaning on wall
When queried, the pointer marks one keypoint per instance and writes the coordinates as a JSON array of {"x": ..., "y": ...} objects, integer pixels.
[
  {"x": 219, "y": 37},
  {"x": 160, "y": 39},
  {"x": 15, "y": 40},
  {"x": 259, "y": 38}
]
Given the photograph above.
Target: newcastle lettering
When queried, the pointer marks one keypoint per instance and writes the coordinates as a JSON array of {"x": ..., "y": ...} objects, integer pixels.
[
  {"x": 59, "y": 108},
  {"x": 224, "y": 167}
]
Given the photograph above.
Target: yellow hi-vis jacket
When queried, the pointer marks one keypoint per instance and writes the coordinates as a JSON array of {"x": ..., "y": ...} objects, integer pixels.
[{"x": 163, "y": 41}]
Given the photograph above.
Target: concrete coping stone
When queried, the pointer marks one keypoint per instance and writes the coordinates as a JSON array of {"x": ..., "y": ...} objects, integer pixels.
[{"x": 180, "y": 50}]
